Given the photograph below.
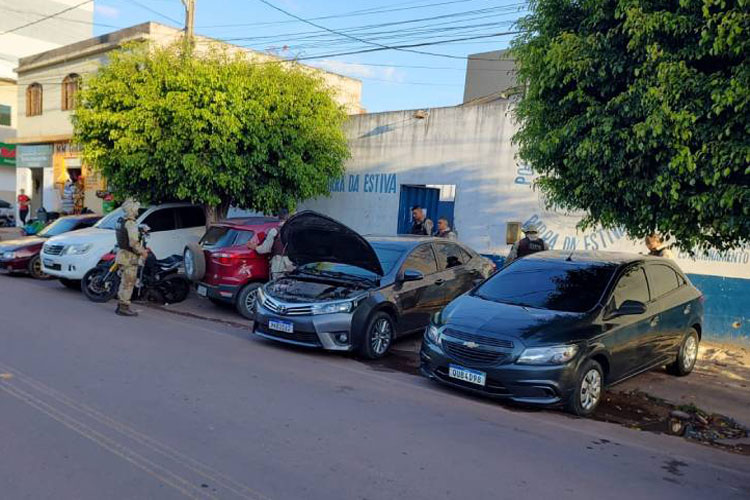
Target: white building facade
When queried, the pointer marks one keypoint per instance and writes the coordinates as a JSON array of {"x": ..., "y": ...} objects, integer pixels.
[{"x": 465, "y": 155}]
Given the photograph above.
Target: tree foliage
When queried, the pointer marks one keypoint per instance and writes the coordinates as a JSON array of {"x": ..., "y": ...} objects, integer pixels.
[
  {"x": 214, "y": 129},
  {"x": 638, "y": 112}
]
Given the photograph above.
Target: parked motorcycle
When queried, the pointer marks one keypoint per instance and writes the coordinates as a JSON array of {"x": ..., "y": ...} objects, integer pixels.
[{"x": 158, "y": 280}]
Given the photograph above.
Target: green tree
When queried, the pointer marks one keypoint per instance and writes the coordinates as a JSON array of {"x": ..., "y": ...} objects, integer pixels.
[
  {"x": 638, "y": 112},
  {"x": 214, "y": 129}
]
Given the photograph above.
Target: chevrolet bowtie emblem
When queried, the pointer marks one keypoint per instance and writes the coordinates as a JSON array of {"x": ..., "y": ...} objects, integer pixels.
[
  {"x": 471, "y": 345},
  {"x": 282, "y": 309}
]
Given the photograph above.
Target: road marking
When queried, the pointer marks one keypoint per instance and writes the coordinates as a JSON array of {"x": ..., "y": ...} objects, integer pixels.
[{"x": 213, "y": 477}]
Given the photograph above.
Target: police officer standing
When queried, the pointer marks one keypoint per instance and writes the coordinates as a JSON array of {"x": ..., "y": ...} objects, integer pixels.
[
  {"x": 444, "y": 230},
  {"x": 421, "y": 225},
  {"x": 531, "y": 243},
  {"x": 130, "y": 250},
  {"x": 272, "y": 244}
]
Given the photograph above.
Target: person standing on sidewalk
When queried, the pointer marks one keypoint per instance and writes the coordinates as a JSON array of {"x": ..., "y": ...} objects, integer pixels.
[
  {"x": 272, "y": 244},
  {"x": 128, "y": 255},
  {"x": 531, "y": 243},
  {"x": 421, "y": 225},
  {"x": 23, "y": 206},
  {"x": 444, "y": 230},
  {"x": 657, "y": 247}
]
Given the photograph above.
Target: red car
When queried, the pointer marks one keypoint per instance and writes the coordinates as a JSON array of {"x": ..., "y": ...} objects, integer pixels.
[
  {"x": 22, "y": 255},
  {"x": 224, "y": 268}
]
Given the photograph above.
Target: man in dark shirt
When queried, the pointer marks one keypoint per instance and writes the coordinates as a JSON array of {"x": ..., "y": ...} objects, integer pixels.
[
  {"x": 421, "y": 225},
  {"x": 531, "y": 243}
]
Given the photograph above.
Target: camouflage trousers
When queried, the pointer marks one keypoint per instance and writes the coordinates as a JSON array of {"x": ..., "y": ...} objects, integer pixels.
[{"x": 128, "y": 277}]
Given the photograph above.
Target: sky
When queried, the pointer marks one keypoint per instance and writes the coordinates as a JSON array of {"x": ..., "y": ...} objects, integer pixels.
[{"x": 392, "y": 79}]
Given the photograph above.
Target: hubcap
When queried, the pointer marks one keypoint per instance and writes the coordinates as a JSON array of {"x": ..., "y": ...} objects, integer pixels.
[
  {"x": 381, "y": 336},
  {"x": 591, "y": 389},
  {"x": 689, "y": 352},
  {"x": 250, "y": 300}
]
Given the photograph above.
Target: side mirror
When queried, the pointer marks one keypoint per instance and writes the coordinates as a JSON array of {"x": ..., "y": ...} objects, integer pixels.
[
  {"x": 412, "y": 275},
  {"x": 630, "y": 308}
]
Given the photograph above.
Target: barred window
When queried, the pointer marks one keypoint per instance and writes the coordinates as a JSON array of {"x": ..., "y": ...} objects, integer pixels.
[
  {"x": 34, "y": 99},
  {"x": 70, "y": 86}
]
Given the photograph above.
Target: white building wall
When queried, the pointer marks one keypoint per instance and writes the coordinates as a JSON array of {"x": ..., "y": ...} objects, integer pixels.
[{"x": 470, "y": 147}]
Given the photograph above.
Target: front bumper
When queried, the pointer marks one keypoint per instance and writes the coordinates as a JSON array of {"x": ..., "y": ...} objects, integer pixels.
[
  {"x": 15, "y": 265},
  {"x": 319, "y": 331},
  {"x": 529, "y": 384},
  {"x": 71, "y": 267}
]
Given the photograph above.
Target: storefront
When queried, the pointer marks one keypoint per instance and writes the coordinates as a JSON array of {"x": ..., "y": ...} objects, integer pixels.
[{"x": 7, "y": 171}]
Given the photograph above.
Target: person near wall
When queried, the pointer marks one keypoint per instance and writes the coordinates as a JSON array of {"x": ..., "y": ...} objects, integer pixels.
[
  {"x": 23, "y": 206},
  {"x": 420, "y": 225},
  {"x": 444, "y": 230},
  {"x": 128, "y": 255},
  {"x": 657, "y": 247},
  {"x": 67, "y": 197},
  {"x": 530, "y": 243},
  {"x": 272, "y": 244}
]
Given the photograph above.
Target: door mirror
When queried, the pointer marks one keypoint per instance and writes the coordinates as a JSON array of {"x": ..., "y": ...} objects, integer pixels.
[
  {"x": 630, "y": 308},
  {"x": 412, "y": 275}
]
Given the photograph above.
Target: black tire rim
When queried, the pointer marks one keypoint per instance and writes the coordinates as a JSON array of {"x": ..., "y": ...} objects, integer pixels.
[{"x": 380, "y": 338}]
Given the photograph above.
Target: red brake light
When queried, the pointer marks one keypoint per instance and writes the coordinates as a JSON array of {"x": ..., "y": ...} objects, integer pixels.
[{"x": 224, "y": 258}]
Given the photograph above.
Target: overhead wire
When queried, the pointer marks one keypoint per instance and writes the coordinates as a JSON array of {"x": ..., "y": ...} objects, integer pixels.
[
  {"x": 49, "y": 16},
  {"x": 155, "y": 12}
]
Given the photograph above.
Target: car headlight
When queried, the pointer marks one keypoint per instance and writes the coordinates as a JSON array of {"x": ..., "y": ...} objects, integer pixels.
[
  {"x": 555, "y": 355},
  {"x": 333, "y": 308},
  {"x": 433, "y": 333},
  {"x": 78, "y": 249},
  {"x": 8, "y": 255}
]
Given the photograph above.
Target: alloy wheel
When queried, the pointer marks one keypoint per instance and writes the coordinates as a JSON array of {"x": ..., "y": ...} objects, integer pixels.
[
  {"x": 250, "y": 300},
  {"x": 689, "y": 352},
  {"x": 591, "y": 389},
  {"x": 36, "y": 269},
  {"x": 382, "y": 332}
]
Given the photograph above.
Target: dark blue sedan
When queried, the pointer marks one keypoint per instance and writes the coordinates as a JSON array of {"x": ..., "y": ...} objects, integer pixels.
[{"x": 555, "y": 328}]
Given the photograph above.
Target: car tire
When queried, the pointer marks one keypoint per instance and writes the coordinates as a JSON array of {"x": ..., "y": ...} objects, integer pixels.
[
  {"x": 35, "y": 268},
  {"x": 96, "y": 288},
  {"x": 379, "y": 336},
  {"x": 589, "y": 390},
  {"x": 194, "y": 261},
  {"x": 686, "y": 357},
  {"x": 245, "y": 301},
  {"x": 72, "y": 284}
]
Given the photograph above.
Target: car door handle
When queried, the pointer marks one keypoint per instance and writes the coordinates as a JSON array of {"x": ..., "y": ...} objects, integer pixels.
[
  {"x": 439, "y": 282},
  {"x": 654, "y": 321},
  {"x": 687, "y": 309}
]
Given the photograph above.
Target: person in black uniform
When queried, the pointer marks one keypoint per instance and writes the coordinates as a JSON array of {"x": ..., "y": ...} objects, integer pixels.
[
  {"x": 531, "y": 243},
  {"x": 420, "y": 225}
]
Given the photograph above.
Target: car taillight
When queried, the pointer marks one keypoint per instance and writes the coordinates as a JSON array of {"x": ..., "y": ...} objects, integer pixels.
[{"x": 224, "y": 258}]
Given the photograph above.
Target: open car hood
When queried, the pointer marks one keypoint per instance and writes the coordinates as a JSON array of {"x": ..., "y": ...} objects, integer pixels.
[{"x": 312, "y": 237}]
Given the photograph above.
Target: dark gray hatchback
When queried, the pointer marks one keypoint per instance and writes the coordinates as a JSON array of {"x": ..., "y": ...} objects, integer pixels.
[{"x": 555, "y": 328}]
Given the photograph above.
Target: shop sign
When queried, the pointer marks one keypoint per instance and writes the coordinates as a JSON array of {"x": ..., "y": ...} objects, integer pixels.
[
  {"x": 7, "y": 155},
  {"x": 39, "y": 155}
]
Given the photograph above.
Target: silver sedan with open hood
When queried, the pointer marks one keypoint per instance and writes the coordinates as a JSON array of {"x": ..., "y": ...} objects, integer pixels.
[{"x": 355, "y": 293}]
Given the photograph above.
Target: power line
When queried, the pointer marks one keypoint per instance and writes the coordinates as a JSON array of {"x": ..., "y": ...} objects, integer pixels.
[
  {"x": 156, "y": 12},
  {"x": 50, "y": 16},
  {"x": 66, "y": 19},
  {"x": 404, "y": 48}
]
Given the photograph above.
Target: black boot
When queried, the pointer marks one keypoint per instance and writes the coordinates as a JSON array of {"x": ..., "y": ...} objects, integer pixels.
[{"x": 124, "y": 310}]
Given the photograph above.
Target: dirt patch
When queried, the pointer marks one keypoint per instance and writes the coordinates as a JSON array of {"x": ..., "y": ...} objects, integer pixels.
[{"x": 638, "y": 410}]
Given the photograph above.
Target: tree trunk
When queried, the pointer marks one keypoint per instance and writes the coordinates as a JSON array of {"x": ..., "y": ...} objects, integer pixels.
[{"x": 215, "y": 213}]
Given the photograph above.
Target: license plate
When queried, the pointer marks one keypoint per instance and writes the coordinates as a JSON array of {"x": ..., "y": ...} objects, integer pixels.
[
  {"x": 467, "y": 375},
  {"x": 281, "y": 326},
  {"x": 202, "y": 290}
]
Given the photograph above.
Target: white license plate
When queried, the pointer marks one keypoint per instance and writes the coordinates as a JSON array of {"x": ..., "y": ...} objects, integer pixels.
[
  {"x": 281, "y": 326},
  {"x": 467, "y": 375},
  {"x": 202, "y": 290}
]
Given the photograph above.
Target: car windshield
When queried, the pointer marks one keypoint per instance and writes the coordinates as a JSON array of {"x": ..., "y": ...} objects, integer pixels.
[
  {"x": 553, "y": 285},
  {"x": 388, "y": 255},
  {"x": 110, "y": 220},
  {"x": 59, "y": 226}
]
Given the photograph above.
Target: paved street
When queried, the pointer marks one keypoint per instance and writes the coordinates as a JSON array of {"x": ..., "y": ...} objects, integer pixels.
[{"x": 163, "y": 406}]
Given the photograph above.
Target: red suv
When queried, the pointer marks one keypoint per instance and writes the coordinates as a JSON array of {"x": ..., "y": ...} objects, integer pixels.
[{"x": 224, "y": 268}]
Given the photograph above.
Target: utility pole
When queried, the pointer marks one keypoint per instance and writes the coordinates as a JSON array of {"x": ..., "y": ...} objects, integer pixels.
[{"x": 189, "y": 24}]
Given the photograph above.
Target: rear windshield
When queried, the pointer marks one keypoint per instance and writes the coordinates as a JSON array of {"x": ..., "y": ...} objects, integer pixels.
[
  {"x": 557, "y": 286},
  {"x": 223, "y": 237}
]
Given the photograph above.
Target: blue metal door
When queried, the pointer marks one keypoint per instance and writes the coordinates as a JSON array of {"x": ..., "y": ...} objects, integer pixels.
[{"x": 427, "y": 198}]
